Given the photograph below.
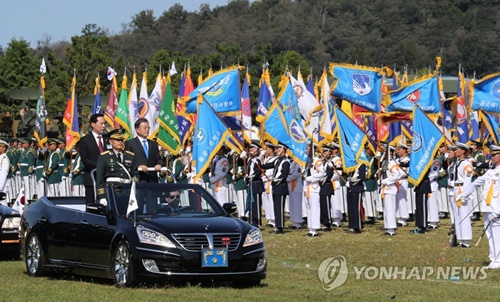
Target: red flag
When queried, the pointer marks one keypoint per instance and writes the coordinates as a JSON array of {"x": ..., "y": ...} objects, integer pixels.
[{"x": 112, "y": 106}]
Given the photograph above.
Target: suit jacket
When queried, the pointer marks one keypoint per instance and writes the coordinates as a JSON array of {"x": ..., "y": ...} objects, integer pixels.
[
  {"x": 135, "y": 145},
  {"x": 89, "y": 152}
]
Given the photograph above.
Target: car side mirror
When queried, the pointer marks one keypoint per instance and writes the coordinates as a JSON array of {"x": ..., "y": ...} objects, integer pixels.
[
  {"x": 96, "y": 208},
  {"x": 229, "y": 207}
]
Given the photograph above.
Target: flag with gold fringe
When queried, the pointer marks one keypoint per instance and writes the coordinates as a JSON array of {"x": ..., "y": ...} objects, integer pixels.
[{"x": 70, "y": 119}]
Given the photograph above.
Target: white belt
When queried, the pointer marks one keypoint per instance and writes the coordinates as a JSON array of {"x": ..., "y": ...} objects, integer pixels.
[
  {"x": 61, "y": 165},
  {"x": 24, "y": 165},
  {"x": 38, "y": 167},
  {"x": 118, "y": 180}
]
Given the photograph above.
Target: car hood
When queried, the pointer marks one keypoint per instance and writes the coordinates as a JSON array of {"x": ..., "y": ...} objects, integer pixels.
[{"x": 202, "y": 224}]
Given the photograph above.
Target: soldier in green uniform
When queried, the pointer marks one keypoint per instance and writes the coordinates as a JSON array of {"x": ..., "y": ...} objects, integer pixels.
[
  {"x": 51, "y": 173},
  {"x": 76, "y": 175},
  {"x": 477, "y": 158},
  {"x": 26, "y": 166},
  {"x": 114, "y": 166},
  {"x": 40, "y": 167},
  {"x": 64, "y": 163},
  {"x": 179, "y": 168},
  {"x": 371, "y": 188}
]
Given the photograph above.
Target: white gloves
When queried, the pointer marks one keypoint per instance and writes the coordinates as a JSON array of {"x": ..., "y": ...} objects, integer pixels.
[
  {"x": 243, "y": 154},
  {"x": 103, "y": 201},
  {"x": 404, "y": 160}
]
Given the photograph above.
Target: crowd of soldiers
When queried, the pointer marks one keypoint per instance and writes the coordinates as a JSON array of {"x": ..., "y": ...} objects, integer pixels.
[{"x": 264, "y": 182}]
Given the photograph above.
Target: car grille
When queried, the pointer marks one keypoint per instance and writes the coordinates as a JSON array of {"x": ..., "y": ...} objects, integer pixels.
[{"x": 195, "y": 242}]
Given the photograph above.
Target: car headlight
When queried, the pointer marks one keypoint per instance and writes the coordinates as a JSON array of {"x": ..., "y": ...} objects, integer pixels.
[
  {"x": 152, "y": 237},
  {"x": 11, "y": 223},
  {"x": 253, "y": 237}
]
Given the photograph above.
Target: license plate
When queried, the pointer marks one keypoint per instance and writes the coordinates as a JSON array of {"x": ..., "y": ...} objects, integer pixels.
[{"x": 214, "y": 258}]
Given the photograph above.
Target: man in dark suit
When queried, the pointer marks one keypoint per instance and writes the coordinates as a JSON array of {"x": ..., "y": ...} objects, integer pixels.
[
  {"x": 146, "y": 151},
  {"x": 354, "y": 189},
  {"x": 91, "y": 145}
]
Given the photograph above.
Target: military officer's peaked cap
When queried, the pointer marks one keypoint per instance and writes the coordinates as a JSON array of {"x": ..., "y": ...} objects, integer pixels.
[
  {"x": 53, "y": 141},
  {"x": 462, "y": 146},
  {"x": 269, "y": 144},
  {"x": 116, "y": 134},
  {"x": 494, "y": 149},
  {"x": 4, "y": 143}
]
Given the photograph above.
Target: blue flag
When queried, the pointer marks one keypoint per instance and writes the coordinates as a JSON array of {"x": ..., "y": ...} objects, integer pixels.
[
  {"x": 352, "y": 142},
  {"x": 280, "y": 127},
  {"x": 221, "y": 90},
  {"x": 288, "y": 100},
  {"x": 491, "y": 124},
  {"x": 425, "y": 142},
  {"x": 486, "y": 93},
  {"x": 210, "y": 134},
  {"x": 424, "y": 92},
  {"x": 96, "y": 109},
  {"x": 359, "y": 85}
]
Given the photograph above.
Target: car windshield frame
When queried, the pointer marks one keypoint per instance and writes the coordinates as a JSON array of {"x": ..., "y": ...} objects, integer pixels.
[{"x": 152, "y": 198}]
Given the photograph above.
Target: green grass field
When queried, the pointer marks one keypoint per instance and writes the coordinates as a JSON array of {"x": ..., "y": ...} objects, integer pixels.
[{"x": 293, "y": 262}]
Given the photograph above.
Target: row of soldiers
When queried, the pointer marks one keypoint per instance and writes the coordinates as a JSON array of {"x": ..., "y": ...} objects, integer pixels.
[{"x": 34, "y": 172}]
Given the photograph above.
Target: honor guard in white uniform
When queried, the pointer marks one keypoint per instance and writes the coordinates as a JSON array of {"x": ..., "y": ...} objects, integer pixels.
[
  {"x": 4, "y": 169},
  {"x": 267, "y": 177},
  {"x": 477, "y": 158},
  {"x": 311, "y": 194},
  {"x": 295, "y": 189},
  {"x": 388, "y": 193},
  {"x": 219, "y": 169},
  {"x": 462, "y": 176},
  {"x": 490, "y": 205},
  {"x": 432, "y": 204},
  {"x": 403, "y": 161},
  {"x": 326, "y": 190},
  {"x": 338, "y": 194}
]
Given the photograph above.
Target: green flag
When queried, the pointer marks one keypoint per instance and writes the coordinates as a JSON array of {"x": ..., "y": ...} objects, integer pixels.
[
  {"x": 122, "y": 111},
  {"x": 168, "y": 134}
]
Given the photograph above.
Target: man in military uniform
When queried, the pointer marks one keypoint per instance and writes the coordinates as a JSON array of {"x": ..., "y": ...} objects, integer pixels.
[
  {"x": 326, "y": 189},
  {"x": 338, "y": 194},
  {"x": 26, "y": 165},
  {"x": 51, "y": 174},
  {"x": 40, "y": 167},
  {"x": 255, "y": 185},
  {"x": 267, "y": 195},
  {"x": 76, "y": 174},
  {"x": 371, "y": 188},
  {"x": 64, "y": 168},
  {"x": 219, "y": 169},
  {"x": 477, "y": 158},
  {"x": 179, "y": 168},
  {"x": 115, "y": 165},
  {"x": 403, "y": 160}
]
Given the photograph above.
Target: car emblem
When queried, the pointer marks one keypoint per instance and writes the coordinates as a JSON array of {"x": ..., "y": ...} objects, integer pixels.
[{"x": 206, "y": 227}]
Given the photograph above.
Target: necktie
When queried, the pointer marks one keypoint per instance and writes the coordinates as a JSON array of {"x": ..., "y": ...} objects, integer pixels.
[
  {"x": 119, "y": 157},
  {"x": 145, "y": 146},
  {"x": 101, "y": 147}
]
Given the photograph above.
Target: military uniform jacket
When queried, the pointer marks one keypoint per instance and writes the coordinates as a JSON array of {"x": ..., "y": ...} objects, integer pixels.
[
  {"x": 371, "y": 174},
  {"x": 479, "y": 157},
  {"x": 356, "y": 182},
  {"x": 463, "y": 172},
  {"x": 317, "y": 174},
  {"x": 53, "y": 175},
  {"x": 326, "y": 187},
  {"x": 443, "y": 172},
  {"x": 434, "y": 174},
  {"x": 394, "y": 174},
  {"x": 40, "y": 164},
  {"x": 108, "y": 166},
  {"x": 4, "y": 171},
  {"x": 267, "y": 177},
  {"x": 13, "y": 155},
  {"x": 239, "y": 177},
  {"x": 491, "y": 182},
  {"x": 64, "y": 161},
  {"x": 294, "y": 179},
  {"x": 27, "y": 161},
  {"x": 178, "y": 168},
  {"x": 254, "y": 175},
  {"x": 77, "y": 172},
  {"x": 280, "y": 173}
]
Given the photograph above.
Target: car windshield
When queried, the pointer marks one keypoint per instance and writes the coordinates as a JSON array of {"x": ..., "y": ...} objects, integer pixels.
[{"x": 167, "y": 200}]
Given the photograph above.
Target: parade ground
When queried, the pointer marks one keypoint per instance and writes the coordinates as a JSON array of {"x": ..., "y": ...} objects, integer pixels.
[{"x": 332, "y": 267}]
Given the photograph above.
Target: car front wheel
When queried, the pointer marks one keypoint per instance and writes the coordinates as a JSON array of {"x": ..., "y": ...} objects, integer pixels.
[
  {"x": 34, "y": 256},
  {"x": 122, "y": 265}
]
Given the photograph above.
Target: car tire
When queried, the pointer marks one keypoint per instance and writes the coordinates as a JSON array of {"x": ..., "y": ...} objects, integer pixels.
[
  {"x": 34, "y": 256},
  {"x": 122, "y": 265}
]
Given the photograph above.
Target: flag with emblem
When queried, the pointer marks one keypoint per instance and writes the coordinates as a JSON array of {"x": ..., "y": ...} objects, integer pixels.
[
  {"x": 186, "y": 124},
  {"x": 168, "y": 134},
  {"x": 154, "y": 106},
  {"x": 209, "y": 136},
  {"x": 246, "y": 111},
  {"x": 485, "y": 93},
  {"x": 461, "y": 118},
  {"x": 70, "y": 119},
  {"x": 265, "y": 96},
  {"x": 359, "y": 85},
  {"x": 306, "y": 101},
  {"x": 41, "y": 117},
  {"x": 425, "y": 142},
  {"x": 492, "y": 126},
  {"x": 424, "y": 92},
  {"x": 132, "y": 105},
  {"x": 221, "y": 90},
  {"x": 352, "y": 141}
]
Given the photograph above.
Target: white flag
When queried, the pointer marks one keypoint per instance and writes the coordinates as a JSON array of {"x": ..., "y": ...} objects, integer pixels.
[
  {"x": 132, "y": 202},
  {"x": 43, "y": 68},
  {"x": 154, "y": 102},
  {"x": 111, "y": 73},
  {"x": 172, "y": 69}
]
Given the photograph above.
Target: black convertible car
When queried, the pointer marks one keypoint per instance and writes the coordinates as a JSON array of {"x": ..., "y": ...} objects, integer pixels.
[{"x": 179, "y": 232}]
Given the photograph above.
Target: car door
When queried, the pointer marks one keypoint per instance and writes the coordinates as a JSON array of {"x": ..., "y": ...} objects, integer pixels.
[
  {"x": 95, "y": 235},
  {"x": 62, "y": 232}
]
